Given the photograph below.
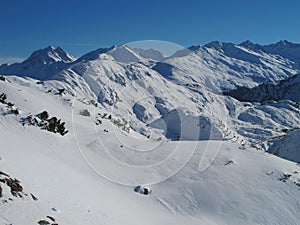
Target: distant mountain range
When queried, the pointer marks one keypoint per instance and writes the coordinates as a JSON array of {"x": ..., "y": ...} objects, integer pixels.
[
  {"x": 217, "y": 64},
  {"x": 193, "y": 79}
]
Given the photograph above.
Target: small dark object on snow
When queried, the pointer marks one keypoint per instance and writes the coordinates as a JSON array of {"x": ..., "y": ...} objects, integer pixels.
[
  {"x": 2, "y": 78},
  {"x": 33, "y": 197},
  {"x": 3, "y": 98},
  {"x": 4, "y": 174},
  {"x": 98, "y": 122},
  {"x": 51, "y": 218},
  {"x": 85, "y": 112},
  {"x": 9, "y": 104},
  {"x": 142, "y": 190},
  {"x": 1, "y": 192},
  {"x": 15, "y": 111},
  {"x": 44, "y": 115},
  {"x": 61, "y": 91},
  {"x": 52, "y": 124},
  {"x": 43, "y": 222},
  {"x": 285, "y": 130},
  {"x": 229, "y": 163},
  {"x": 40, "y": 82}
]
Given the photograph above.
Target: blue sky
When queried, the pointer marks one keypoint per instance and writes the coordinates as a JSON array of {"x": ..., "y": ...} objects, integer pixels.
[{"x": 79, "y": 27}]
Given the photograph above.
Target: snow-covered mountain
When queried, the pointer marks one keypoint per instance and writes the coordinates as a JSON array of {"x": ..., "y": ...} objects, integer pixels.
[
  {"x": 285, "y": 49},
  {"x": 149, "y": 122},
  {"x": 41, "y": 64}
]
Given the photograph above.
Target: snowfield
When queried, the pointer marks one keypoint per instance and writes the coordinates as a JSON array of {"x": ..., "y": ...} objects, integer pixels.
[{"x": 128, "y": 118}]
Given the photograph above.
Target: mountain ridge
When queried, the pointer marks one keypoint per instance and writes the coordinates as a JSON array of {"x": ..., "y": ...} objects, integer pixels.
[{"x": 89, "y": 139}]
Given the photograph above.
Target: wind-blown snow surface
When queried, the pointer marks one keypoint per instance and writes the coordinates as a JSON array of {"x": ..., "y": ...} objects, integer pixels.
[
  {"x": 116, "y": 101},
  {"x": 239, "y": 187}
]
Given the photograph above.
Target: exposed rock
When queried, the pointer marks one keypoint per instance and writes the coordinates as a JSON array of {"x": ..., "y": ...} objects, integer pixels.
[
  {"x": 44, "y": 115},
  {"x": 33, "y": 197},
  {"x": 61, "y": 91},
  {"x": 142, "y": 190},
  {"x": 51, "y": 218},
  {"x": 43, "y": 222},
  {"x": 85, "y": 112},
  {"x": 3, "y": 98}
]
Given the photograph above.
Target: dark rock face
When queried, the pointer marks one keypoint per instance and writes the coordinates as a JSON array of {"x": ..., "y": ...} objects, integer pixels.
[{"x": 287, "y": 89}]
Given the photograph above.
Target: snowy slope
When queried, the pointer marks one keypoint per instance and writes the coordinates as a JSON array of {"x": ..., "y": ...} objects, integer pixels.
[
  {"x": 134, "y": 117},
  {"x": 140, "y": 95},
  {"x": 153, "y": 92},
  {"x": 225, "y": 66},
  {"x": 287, "y": 146},
  {"x": 66, "y": 173},
  {"x": 285, "y": 49}
]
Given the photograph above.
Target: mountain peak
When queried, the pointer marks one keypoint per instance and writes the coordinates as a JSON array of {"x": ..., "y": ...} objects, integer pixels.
[
  {"x": 283, "y": 44},
  {"x": 194, "y": 48},
  {"x": 121, "y": 53},
  {"x": 247, "y": 43},
  {"x": 250, "y": 45},
  {"x": 41, "y": 64},
  {"x": 50, "y": 47},
  {"x": 285, "y": 49},
  {"x": 50, "y": 55},
  {"x": 217, "y": 45},
  {"x": 93, "y": 55}
]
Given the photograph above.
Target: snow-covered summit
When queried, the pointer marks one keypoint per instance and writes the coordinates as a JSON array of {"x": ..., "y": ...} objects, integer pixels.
[
  {"x": 285, "y": 49},
  {"x": 93, "y": 55},
  {"x": 40, "y": 64},
  {"x": 251, "y": 46},
  {"x": 50, "y": 55}
]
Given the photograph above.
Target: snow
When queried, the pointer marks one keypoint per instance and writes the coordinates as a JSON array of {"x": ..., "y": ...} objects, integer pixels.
[
  {"x": 287, "y": 146},
  {"x": 41, "y": 64},
  {"x": 207, "y": 158}
]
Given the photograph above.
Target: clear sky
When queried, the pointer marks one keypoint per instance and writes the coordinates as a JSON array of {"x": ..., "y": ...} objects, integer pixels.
[{"x": 82, "y": 26}]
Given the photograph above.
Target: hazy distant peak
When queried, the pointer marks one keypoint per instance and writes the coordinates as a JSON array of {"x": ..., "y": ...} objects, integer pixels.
[
  {"x": 93, "y": 55},
  {"x": 150, "y": 53}
]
